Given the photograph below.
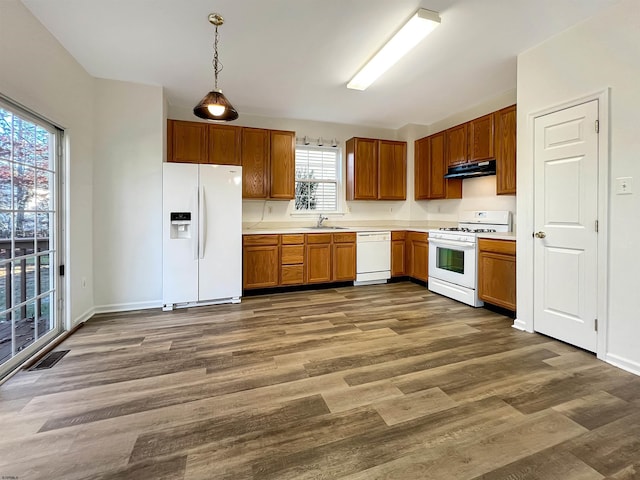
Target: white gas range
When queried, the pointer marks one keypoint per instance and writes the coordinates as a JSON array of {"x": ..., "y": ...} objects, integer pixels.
[{"x": 453, "y": 268}]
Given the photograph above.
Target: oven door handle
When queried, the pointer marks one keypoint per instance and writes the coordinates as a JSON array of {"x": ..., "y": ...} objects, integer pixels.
[{"x": 451, "y": 243}]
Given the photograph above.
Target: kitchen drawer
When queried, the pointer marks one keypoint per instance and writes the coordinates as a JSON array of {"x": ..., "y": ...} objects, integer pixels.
[
  {"x": 292, "y": 254},
  {"x": 293, "y": 239},
  {"x": 260, "y": 239},
  {"x": 399, "y": 235},
  {"x": 417, "y": 237},
  {"x": 344, "y": 238},
  {"x": 292, "y": 275},
  {"x": 507, "y": 247},
  {"x": 318, "y": 238}
]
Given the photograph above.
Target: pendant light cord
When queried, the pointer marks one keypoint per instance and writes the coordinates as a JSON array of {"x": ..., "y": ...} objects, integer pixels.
[{"x": 217, "y": 65}]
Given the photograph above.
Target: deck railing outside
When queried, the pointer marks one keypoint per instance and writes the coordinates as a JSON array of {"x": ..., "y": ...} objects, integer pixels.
[{"x": 30, "y": 278}]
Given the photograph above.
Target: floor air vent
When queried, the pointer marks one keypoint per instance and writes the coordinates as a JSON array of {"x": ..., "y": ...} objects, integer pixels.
[{"x": 49, "y": 360}]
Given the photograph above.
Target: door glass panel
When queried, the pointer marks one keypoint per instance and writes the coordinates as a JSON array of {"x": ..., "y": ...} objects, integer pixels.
[
  {"x": 45, "y": 158},
  {"x": 24, "y": 187},
  {"x": 28, "y": 222},
  {"x": 6, "y": 334},
  {"x": 42, "y": 192},
  {"x": 45, "y": 316},
  {"x": 45, "y": 275},
  {"x": 23, "y": 140},
  {"x": 5, "y": 236},
  {"x": 25, "y": 326},
  {"x": 5, "y": 183},
  {"x": 450, "y": 259},
  {"x": 5, "y": 271}
]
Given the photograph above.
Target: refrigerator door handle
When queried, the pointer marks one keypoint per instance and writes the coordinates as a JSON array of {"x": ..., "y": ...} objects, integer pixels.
[
  {"x": 202, "y": 222},
  {"x": 194, "y": 237}
]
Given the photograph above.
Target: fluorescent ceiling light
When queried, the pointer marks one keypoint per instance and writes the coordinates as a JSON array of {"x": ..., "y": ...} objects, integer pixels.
[{"x": 419, "y": 26}]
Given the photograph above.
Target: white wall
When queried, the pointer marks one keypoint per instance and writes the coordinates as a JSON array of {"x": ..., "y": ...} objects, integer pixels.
[
  {"x": 38, "y": 73},
  {"x": 599, "y": 53},
  {"x": 127, "y": 195}
]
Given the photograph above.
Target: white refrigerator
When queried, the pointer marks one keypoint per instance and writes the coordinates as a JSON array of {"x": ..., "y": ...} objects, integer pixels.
[{"x": 202, "y": 234}]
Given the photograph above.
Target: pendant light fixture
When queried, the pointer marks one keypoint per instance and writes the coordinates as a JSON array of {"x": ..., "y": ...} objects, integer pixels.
[{"x": 214, "y": 105}]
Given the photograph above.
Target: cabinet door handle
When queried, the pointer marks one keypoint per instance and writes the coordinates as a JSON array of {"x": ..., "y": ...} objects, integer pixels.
[{"x": 539, "y": 234}]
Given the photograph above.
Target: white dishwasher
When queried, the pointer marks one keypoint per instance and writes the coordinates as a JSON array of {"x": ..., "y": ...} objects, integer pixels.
[{"x": 373, "y": 257}]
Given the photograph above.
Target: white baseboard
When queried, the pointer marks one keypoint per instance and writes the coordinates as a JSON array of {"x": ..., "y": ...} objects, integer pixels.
[
  {"x": 126, "y": 307},
  {"x": 623, "y": 363},
  {"x": 84, "y": 317},
  {"x": 520, "y": 325}
]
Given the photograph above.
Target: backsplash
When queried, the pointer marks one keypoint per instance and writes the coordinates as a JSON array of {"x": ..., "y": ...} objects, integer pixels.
[{"x": 477, "y": 194}]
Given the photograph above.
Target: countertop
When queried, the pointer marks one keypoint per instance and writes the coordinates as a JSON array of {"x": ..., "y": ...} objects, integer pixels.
[
  {"x": 499, "y": 235},
  {"x": 286, "y": 229},
  {"x": 424, "y": 227}
]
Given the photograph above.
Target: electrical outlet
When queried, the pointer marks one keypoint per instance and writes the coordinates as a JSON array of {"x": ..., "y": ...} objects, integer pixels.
[{"x": 624, "y": 185}]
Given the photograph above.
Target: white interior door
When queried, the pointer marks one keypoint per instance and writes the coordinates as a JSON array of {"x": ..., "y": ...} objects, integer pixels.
[{"x": 566, "y": 211}]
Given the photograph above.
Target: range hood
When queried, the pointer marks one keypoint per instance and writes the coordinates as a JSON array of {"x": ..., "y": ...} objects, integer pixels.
[{"x": 470, "y": 170}]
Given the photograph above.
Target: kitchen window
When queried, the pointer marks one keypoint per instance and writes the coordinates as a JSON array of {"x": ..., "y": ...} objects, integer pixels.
[{"x": 317, "y": 179}]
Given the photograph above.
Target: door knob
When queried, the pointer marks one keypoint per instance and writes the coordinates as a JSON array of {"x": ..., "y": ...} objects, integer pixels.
[{"x": 539, "y": 234}]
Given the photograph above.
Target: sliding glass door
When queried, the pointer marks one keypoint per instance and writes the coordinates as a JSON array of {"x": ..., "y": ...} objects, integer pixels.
[{"x": 29, "y": 292}]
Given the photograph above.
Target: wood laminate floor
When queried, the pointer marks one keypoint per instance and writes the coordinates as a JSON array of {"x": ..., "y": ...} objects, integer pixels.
[{"x": 386, "y": 381}]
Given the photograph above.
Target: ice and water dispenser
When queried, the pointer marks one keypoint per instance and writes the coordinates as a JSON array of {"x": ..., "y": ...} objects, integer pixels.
[{"x": 181, "y": 225}]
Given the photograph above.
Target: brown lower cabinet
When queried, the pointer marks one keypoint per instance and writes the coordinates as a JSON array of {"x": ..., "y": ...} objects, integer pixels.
[
  {"x": 298, "y": 259},
  {"x": 418, "y": 255},
  {"x": 260, "y": 261},
  {"x": 398, "y": 253},
  {"x": 318, "y": 249},
  {"x": 344, "y": 257},
  {"x": 292, "y": 259},
  {"x": 497, "y": 272}
]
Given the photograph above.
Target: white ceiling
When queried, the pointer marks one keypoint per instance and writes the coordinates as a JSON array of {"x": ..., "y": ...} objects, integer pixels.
[{"x": 293, "y": 58}]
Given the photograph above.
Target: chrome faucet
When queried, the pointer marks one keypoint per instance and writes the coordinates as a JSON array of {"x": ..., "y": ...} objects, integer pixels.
[{"x": 320, "y": 220}]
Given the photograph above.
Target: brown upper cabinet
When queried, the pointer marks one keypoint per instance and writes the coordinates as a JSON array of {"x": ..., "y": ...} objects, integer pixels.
[
  {"x": 430, "y": 168},
  {"x": 480, "y": 134},
  {"x": 471, "y": 142},
  {"x": 505, "y": 120},
  {"x": 255, "y": 163},
  {"x": 376, "y": 169},
  {"x": 283, "y": 164},
  {"x": 197, "y": 142},
  {"x": 224, "y": 144},
  {"x": 456, "y": 144},
  {"x": 187, "y": 142},
  {"x": 268, "y": 164},
  {"x": 487, "y": 137},
  {"x": 362, "y": 169},
  {"x": 392, "y": 170},
  {"x": 267, "y": 156}
]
